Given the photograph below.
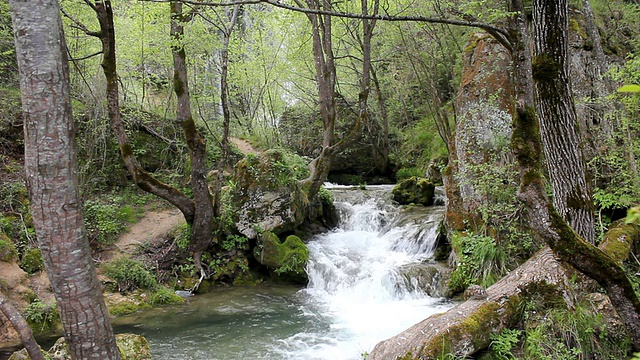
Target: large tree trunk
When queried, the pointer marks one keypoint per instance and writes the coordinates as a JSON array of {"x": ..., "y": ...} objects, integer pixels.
[
  {"x": 557, "y": 117},
  {"x": 551, "y": 25},
  {"x": 52, "y": 179},
  {"x": 22, "y": 328}
]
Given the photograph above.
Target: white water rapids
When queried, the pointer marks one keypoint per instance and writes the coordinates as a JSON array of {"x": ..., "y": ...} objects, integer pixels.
[
  {"x": 356, "y": 297},
  {"x": 355, "y": 281}
]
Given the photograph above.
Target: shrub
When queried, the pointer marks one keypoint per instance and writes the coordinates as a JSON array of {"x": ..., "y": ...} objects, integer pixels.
[
  {"x": 42, "y": 317},
  {"x": 479, "y": 261},
  {"x": 107, "y": 219},
  {"x": 31, "y": 261},
  {"x": 7, "y": 249},
  {"x": 164, "y": 296},
  {"x": 129, "y": 274}
]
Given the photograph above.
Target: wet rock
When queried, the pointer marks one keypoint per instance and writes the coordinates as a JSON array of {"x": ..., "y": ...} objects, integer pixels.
[
  {"x": 285, "y": 260},
  {"x": 414, "y": 190},
  {"x": 267, "y": 194},
  {"x": 432, "y": 278}
]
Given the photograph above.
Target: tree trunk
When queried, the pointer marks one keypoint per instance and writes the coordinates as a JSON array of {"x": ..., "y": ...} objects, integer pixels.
[
  {"x": 52, "y": 179},
  {"x": 142, "y": 178},
  {"x": 226, "y": 114},
  {"x": 551, "y": 26},
  {"x": 203, "y": 225},
  {"x": 22, "y": 328},
  {"x": 326, "y": 77},
  {"x": 557, "y": 117}
]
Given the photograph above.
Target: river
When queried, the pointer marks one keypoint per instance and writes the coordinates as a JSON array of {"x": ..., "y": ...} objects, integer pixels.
[{"x": 356, "y": 296}]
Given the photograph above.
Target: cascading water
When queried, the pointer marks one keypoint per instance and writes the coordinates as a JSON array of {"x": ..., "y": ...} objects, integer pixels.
[
  {"x": 355, "y": 277},
  {"x": 359, "y": 293}
]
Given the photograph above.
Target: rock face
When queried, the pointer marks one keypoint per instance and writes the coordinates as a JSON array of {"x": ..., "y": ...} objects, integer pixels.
[
  {"x": 483, "y": 128},
  {"x": 414, "y": 190},
  {"x": 267, "y": 195},
  {"x": 432, "y": 278}
]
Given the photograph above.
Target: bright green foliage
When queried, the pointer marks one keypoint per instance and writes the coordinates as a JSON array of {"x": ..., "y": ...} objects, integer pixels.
[
  {"x": 562, "y": 334},
  {"x": 42, "y": 317},
  {"x": 479, "y": 261},
  {"x": 31, "y": 261},
  {"x": 325, "y": 195},
  {"x": 617, "y": 168},
  {"x": 231, "y": 242},
  {"x": 107, "y": 218},
  {"x": 504, "y": 342},
  {"x": 129, "y": 274},
  {"x": 8, "y": 66},
  {"x": 408, "y": 172}
]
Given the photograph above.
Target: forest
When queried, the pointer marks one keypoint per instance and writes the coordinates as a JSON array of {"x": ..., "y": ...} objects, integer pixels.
[{"x": 316, "y": 179}]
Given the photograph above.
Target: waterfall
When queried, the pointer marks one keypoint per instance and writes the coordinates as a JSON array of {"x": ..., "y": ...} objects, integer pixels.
[
  {"x": 356, "y": 283},
  {"x": 368, "y": 282}
]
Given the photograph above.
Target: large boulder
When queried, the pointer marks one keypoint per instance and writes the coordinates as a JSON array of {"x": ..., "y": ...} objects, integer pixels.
[
  {"x": 414, "y": 190},
  {"x": 267, "y": 195}
]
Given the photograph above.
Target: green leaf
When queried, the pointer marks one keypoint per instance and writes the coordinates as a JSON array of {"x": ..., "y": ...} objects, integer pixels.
[{"x": 630, "y": 89}]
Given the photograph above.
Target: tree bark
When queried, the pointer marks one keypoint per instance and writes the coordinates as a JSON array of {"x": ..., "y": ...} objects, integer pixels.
[
  {"x": 558, "y": 120},
  {"x": 52, "y": 179},
  {"x": 142, "y": 178},
  {"x": 466, "y": 329},
  {"x": 22, "y": 328},
  {"x": 203, "y": 225}
]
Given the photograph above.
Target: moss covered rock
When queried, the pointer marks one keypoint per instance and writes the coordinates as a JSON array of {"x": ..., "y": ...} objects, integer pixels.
[
  {"x": 8, "y": 251},
  {"x": 131, "y": 346},
  {"x": 414, "y": 190},
  {"x": 266, "y": 195},
  {"x": 31, "y": 261},
  {"x": 285, "y": 260}
]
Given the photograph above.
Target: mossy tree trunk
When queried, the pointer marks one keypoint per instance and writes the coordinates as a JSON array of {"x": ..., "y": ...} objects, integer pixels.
[
  {"x": 51, "y": 168},
  {"x": 558, "y": 120},
  {"x": 204, "y": 223},
  {"x": 551, "y": 27},
  {"x": 142, "y": 178},
  {"x": 324, "y": 62}
]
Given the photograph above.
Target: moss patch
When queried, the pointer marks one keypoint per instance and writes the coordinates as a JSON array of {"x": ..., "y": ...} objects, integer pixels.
[
  {"x": 286, "y": 260},
  {"x": 8, "y": 251}
]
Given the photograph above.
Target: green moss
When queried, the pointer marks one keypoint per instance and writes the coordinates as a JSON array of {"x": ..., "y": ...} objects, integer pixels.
[
  {"x": 477, "y": 326},
  {"x": 287, "y": 260},
  {"x": 526, "y": 142},
  {"x": 133, "y": 347},
  {"x": 164, "y": 296},
  {"x": 545, "y": 67},
  {"x": 31, "y": 261},
  {"x": 617, "y": 241},
  {"x": 127, "y": 307},
  {"x": 414, "y": 190},
  {"x": 8, "y": 251},
  {"x": 129, "y": 274},
  {"x": 42, "y": 317}
]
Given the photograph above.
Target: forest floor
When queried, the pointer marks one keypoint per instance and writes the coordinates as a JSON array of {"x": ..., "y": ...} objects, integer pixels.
[{"x": 153, "y": 225}]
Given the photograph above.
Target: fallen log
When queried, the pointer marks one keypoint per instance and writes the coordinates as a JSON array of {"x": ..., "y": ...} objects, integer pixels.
[{"x": 467, "y": 328}]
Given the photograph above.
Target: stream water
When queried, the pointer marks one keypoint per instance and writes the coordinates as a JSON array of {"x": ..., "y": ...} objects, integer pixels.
[{"x": 356, "y": 297}]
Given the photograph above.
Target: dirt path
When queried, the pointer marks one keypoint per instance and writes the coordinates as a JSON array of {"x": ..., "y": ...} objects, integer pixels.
[
  {"x": 244, "y": 146},
  {"x": 153, "y": 225}
]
